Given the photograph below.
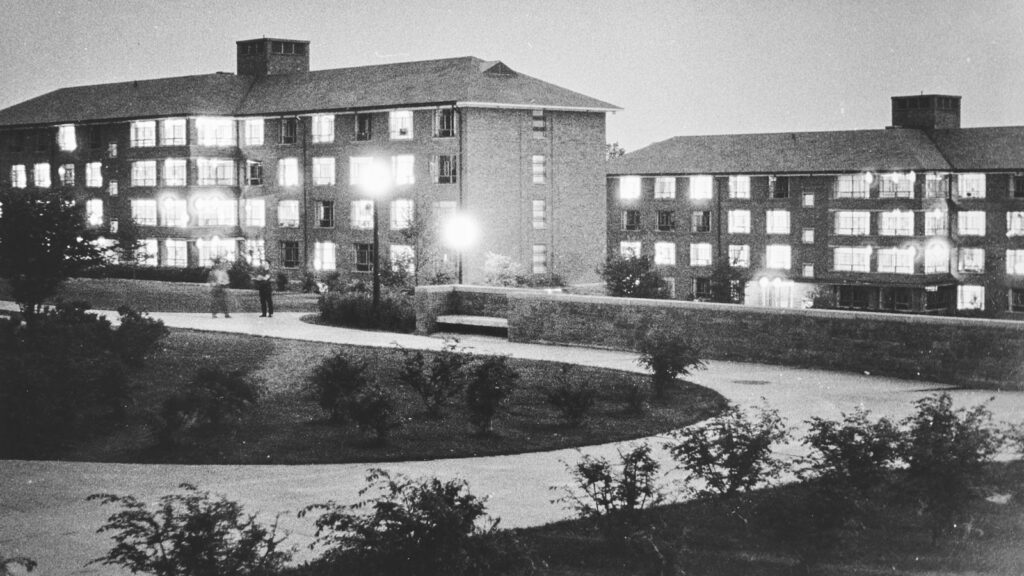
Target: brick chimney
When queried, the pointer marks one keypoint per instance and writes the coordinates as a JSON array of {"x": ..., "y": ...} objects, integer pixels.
[
  {"x": 265, "y": 56},
  {"x": 927, "y": 112}
]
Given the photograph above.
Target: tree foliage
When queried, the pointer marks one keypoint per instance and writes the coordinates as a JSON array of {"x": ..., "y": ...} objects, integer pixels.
[{"x": 634, "y": 277}]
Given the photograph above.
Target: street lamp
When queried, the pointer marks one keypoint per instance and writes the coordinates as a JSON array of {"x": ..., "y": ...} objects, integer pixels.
[
  {"x": 460, "y": 233},
  {"x": 376, "y": 182}
]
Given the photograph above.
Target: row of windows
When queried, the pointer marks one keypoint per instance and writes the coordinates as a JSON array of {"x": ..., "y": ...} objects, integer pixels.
[
  {"x": 777, "y": 256},
  {"x": 213, "y": 211}
]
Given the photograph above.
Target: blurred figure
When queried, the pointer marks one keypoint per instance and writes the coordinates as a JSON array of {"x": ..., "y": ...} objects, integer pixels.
[{"x": 218, "y": 281}]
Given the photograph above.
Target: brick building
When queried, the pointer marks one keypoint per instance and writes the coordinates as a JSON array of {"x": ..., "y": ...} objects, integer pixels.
[
  {"x": 924, "y": 216},
  {"x": 276, "y": 162}
]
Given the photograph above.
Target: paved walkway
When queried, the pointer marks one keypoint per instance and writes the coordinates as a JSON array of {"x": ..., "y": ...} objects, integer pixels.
[{"x": 43, "y": 512}]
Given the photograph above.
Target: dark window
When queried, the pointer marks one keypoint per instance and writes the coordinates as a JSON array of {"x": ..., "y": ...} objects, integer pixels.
[
  {"x": 702, "y": 288},
  {"x": 95, "y": 138},
  {"x": 253, "y": 173},
  {"x": 363, "y": 127},
  {"x": 540, "y": 125},
  {"x": 17, "y": 142},
  {"x": 445, "y": 169},
  {"x": 1016, "y": 300},
  {"x": 244, "y": 49},
  {"x": 854, "y": 297},
  {"x": 288, "y": 130},
  {"x": 42, "y": 141},
  {"x": 261, "y": 48},
  {"x": 300, "y": 49},
  {"x": 1017, "y": 186},
  {"x": 290, "y": 253},
  {"x": 701, "y": 222},
  {"x": 939, "y": 299},
  {"x": 364, "y": 257},
  {"x": 277, "y": 47},
  {"x": 779, "y": 187},
  {"x": 444, "y": 123},
  {"x": 666, "y": 220},
  {"x": 325, "y": 214},
  {"x": 630, "y": 219}
]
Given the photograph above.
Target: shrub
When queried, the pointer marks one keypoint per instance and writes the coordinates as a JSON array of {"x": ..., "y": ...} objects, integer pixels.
[
  {"x": 571, "y": 397},
  {"x": 854, "y": 451},
  {"x": 731, "y": 452},
  {"x": 240, "y": 274},
  {"x": 213, "y": 397},
  {"x": 491, "y": 382},
  {"x": 634, "y": 277},
  {"x": 540, "y": 280},
  {"x": 190, "y": 533},
  {"x": 500, "y": 270},
  {"x": 136, "y": 335},
  {"x": 605, "y": 489},
  {"x": 337, "y": 381},
  {"x": 355, "y": 310},
  {"x": 282, "y": 281},
  {"x": 425, "y": 527},
  {"x": 667, "y": 354},
  {"x": 439, "y": 380},
  {"x": 193, "y": 275},
  {"x": 373, "y": 410}
]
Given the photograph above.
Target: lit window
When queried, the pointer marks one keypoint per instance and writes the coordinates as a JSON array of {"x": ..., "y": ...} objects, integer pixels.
[
  {"x": 290, "y": 253},
  {"x": 1015, "y": 223},
  {"x": 41, "y": 175},
  {"x": 67, "y": 175},
  {"x": 778, "y": 256},
  {"x": 143, "y": 134},
  {"x": 323, "y": 128},
  {"x": 324, "y": 256},
  {"x": 808, "y": 271},
  {"x": 1015, "y": 262},
  {"x": 739, "y": 187},
  {"x": 325, "y": 214},
  {"x": 255, "y": 251},
  {"x": 364, "y": 257},
  {"x": 629, "y": 249},
  {"x": 896, "y": 223},
  {"x": 401, "y": 214},
  {"x": 176, "y": 253},
  {"x": 362, "y": 215},
  {"x": 739, "y": 255},
  {"x": 664, "y": 188},
  {"x": 971, "y": 260},
  {"x": 175, "y": 172},
  {"x": 253, "y": 131},
  {"x": 665, "y": 253},
  {"x": 173, "y": 212},
  {"x": 444, "y": 169},
  {"x": 701, "y": 187},
  {"x": 148, "y": 252},
  {"x": 19, "y": 177},
  {"x": 808, "y": 200},
  {"x": 112, "y": 188},
  {"x": 214, "y": 211},
  {"x": 538, "y": 164},
  {"x": 896, "y": 261},
  {"x": 777, "y": 222},
  {"x": 216, "y": 249},
  {"x": 323, "y": 171},
  {"x": 215, "y": 131},
  {"x": 359, "y": 169},
  {"x": 629, "y": 188},
  {"x": 970, "y": 185},
  {"x": 896, "y": 185},
  {"x": 539, "y": 123},
  {"x": 935, "y": 223},
  {"x": 851, "y": 259},
  {"x": 403, "y": 167},
  {"x": 215, "y": 172},
  {"x": 94, "y": 211},
  {"x": 253, "y": 173},
  {"x": 852, "y": 223},
  {"x": 540, "y": 258},
  {"x": 255, "y": 212},
  {"x": 936, "y": 185},
  {"x": 288, "y": 213},
  {"x": 970, "y": 297},
  {"x": 853, "y": 186},
  {"x": 444, "y": 123},
  {"x": 630, "y": 220},
  {"x": 94, "y": 175},
  {"x": 144, "y": 212},
  {"x": 400, "y": 123},
  {"x": 288, "y": 172},
  {"x": 172, "y": 132},
  {"x": 807, "y": 236},
  {"x": 936, "y": 258},
  {"x": 113, "y": 225},
  {"x": 739, "y": 221},
  {"x": 700, "y": 254},
  {"x": 540, "y": 214},
  {"x": 144, "y": 173},
  {"x": 971, "y": 223},
  {"x": 66, "y": 139}
]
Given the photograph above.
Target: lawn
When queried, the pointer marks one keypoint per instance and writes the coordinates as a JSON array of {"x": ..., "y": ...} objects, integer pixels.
[{"x": 286, "y": 426}]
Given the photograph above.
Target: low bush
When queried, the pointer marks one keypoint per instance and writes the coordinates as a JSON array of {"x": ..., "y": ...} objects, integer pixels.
[
  {"x": 373, "y": 410},
  {"x": 667, "y": 353},
  {"x": 396, "y": 312},
  {"x": 438, "y": 380},
  {"x": 337, "y": 381},
  {"x": 193, "y": 275},
  {"x": 137, "y": 335},
  {"x": 572, "y": 397},
  {"x": 855, "y": 451},
  {"x": 491, "y": 382},
  {"x": 603, "y": 489},
  {"x": 214, "y": 397},
  {"x": 282, "y": 281},
  {"x": 240, "y": 274},
  {"x": 190, "y": 534}
]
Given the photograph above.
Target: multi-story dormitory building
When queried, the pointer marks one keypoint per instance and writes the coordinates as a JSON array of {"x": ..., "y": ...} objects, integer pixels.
[
  {"x": 272, "y": 162},
  {"x": 924, "y": 216}
]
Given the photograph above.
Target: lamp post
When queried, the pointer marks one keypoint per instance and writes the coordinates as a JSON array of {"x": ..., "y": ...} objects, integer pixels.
[
  {"x": 376, "y": 183},
  {"x": 460, "y": 233}
]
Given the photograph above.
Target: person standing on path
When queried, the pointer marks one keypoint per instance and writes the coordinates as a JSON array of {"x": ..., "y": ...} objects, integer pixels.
[
  {"x": 261, "y": 278},
  {"x": 218, "y": 281}
]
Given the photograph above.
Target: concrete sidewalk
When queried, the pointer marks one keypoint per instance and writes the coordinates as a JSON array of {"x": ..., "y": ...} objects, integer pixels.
[{"x": 45, "y": 516}]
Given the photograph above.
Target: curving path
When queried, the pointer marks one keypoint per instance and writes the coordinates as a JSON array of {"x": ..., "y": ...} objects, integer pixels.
[{"x": 43, "y": 512}]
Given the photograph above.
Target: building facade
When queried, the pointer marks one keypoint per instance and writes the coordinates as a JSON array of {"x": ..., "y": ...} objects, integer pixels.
[
  {"x": 289, "y": 165},
  {"x": 923, "y": 216}
]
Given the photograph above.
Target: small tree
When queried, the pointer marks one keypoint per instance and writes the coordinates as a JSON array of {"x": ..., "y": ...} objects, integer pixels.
[
  {"x": 667, "y": 353},
  {"x": 571, "y": 397},
  {"x": 337, "y": 381},
  {"x": 491, "y": 382},
  {"x": 855, "y": 451},
  {"x": 634, "y": 277},
  {"x": 439, "y": 380},
  {"x": 731, "y": 452},
  {"x": 728, "y": 282},
  {"x": 190, "y": 534}
]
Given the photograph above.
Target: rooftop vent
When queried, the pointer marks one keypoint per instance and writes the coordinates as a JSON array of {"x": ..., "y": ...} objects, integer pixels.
[{"x": 926, "y": 111}]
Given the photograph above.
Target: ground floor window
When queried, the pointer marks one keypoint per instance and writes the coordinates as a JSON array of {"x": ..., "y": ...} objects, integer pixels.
[
  {"x": 702, "y": 288},
  {"x": 1016, "y": 300},
  {"x": 290, "y": 253},
  {"x": 853, "y": 296},
  {"x": 970, "y": 297},
  {"x": 899, "y": 299},
  {"x": 364, "y": 257}
]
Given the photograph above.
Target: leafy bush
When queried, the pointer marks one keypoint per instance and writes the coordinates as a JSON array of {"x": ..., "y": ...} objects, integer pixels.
[
  {"x": 731, "y": 452},
  {"x": 854, "y": 451},
  {"x": 424, "y": 527},
  {"x": 213, "y": 397},
  {"x": 373, "y": 410},
  {"x": 667, "y": 353},
  {"x": 491, "y": 382},
  {"x": 572, "y": 397},
  {"x": 136, "y": 335},
  {"x": 355, "y": 310},
  {"x": 338, "y": 381},
  {"x": 634, "y": 277},
  {"x": 282, "y": 281},
  {"x": 240, "y": 274},
  {"x": 501, "y": 270},
  {"x": 606, "y": 489},
  {"x": 439, "y": 380},
  {"x": 190, "y": 534}
]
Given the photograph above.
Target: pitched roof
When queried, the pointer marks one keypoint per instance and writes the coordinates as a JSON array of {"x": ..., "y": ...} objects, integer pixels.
[
  {"x": 790, "y": 152},
  {"x": 999, "y": 148},
  {"x": 454, "y": 80}
]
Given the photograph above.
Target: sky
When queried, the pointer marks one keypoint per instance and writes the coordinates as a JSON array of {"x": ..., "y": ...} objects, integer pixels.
[{"x": 675, "y": 67}]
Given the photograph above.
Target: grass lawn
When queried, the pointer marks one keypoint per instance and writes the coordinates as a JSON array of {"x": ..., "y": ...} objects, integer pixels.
[
  {"x": 287, "y": 426},
  {"x": 154, "y": 296},
  {"x": 725, "y": 538}
]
